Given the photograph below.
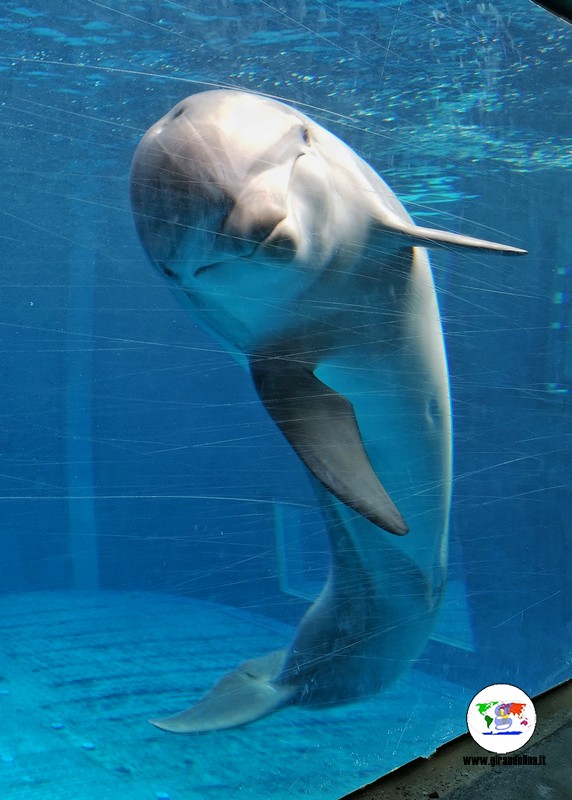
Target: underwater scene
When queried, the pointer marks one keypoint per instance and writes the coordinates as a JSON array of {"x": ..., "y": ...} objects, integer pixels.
[{"x": 287, "y": 387}]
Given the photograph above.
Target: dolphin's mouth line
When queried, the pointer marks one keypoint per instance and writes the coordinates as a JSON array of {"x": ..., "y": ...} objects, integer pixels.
[
  {"x": 207, "y": 267},
  {"x": 246, "y": 257},
  {"x": 213, "y": 265},
  {"x": 225, "y": 262}
]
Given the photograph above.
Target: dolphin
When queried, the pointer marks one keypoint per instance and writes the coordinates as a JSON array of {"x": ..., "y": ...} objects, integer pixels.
[{"x": 295, "y": 255}]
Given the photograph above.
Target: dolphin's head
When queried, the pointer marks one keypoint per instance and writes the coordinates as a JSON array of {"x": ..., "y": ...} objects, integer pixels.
[{"x": 230, "y": 197}]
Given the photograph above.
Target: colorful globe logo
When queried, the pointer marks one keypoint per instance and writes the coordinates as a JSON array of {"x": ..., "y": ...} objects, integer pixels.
[{"x": 501, "y": 718}]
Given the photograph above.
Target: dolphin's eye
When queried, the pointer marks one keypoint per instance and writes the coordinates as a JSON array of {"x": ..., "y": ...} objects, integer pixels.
[
  {"x": 306, "y": 136},
  {"x": 167, "y": 270},
  {"x": 179, "y": 112}
]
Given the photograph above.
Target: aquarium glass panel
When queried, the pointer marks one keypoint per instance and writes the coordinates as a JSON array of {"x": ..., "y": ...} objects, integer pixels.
[{"x": 278, "y": 436}]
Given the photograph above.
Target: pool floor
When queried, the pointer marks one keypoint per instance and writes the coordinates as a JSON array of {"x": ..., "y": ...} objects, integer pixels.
[{"x": 81, "y": 673}]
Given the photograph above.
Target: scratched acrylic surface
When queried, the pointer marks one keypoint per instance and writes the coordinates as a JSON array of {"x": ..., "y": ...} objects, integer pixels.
[{"x": 156, "y": 528}]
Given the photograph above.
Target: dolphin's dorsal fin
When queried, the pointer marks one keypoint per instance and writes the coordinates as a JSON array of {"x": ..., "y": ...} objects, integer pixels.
[
  {"x": 244, "y": 695},
  {"x": 321, "y": 426}
]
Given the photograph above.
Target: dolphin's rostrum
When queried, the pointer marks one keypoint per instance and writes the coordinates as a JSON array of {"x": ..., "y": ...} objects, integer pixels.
[{"x": 299, "y": 258}]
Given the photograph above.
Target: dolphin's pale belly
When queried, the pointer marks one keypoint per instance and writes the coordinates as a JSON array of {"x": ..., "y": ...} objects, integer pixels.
[
  {"x": 299, "y": 258},
  {"x": 374, "y": 348},
  {"x": 377, "y": 611}
]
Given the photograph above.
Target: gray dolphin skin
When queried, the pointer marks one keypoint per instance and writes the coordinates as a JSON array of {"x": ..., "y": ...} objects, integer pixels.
[{"x": 291, "y": 251}]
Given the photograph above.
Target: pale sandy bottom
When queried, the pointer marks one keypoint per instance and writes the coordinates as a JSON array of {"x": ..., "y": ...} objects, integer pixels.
[{"x": 81, "y": 673}]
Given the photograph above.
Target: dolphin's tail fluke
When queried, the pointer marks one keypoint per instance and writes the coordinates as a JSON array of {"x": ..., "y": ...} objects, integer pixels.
[{"x": 241, "y": 696}]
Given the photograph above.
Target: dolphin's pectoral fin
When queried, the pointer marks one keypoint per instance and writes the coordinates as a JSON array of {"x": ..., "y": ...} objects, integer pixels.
[
  {"x": 320, "y": 425},
  {"x": 429, "y": 237},
  {"x": 241, "y": 696}
]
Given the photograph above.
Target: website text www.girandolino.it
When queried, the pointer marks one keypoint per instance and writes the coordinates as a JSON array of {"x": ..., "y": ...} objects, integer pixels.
[{"x": 505, "y": 761}]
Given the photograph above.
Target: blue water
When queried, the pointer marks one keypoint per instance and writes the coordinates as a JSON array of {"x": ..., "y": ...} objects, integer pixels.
[{"x": 155, "y": 528}]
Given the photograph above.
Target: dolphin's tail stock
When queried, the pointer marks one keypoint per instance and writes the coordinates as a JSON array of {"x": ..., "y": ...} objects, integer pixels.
[{"x": 241, "y": 696}]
